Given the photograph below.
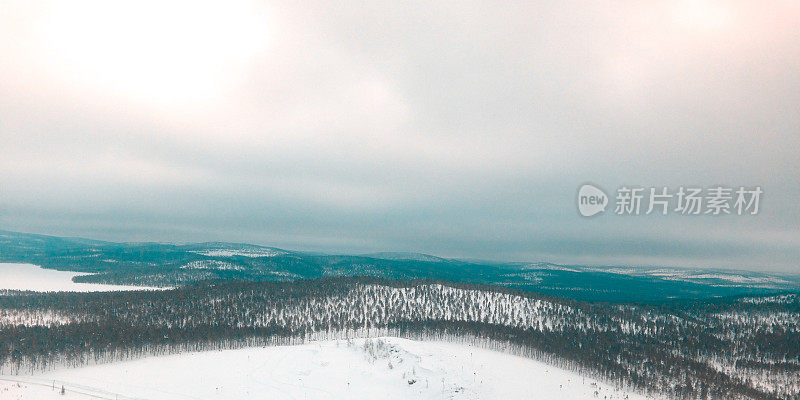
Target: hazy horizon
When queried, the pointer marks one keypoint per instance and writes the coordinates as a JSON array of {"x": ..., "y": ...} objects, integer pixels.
[{"x": 479, "y": 260}]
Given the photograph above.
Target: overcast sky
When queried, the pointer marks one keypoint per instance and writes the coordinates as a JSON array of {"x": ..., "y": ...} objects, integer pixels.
[{"x": 461, "y": 129}]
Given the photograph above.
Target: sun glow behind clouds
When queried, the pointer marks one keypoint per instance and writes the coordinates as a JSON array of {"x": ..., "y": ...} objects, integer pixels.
[
  {"x": 703, "y": 15},
  {"x": 164, "y": 53}
]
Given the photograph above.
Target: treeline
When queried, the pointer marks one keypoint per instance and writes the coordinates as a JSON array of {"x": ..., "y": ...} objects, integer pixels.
[{"x": 732, "y": 349}]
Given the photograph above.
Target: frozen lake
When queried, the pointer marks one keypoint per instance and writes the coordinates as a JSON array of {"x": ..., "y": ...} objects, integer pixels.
[{"x": 15, "y": 276}]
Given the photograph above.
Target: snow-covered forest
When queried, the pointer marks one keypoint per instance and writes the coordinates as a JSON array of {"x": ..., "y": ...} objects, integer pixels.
[{"x": 741, "y": 348}]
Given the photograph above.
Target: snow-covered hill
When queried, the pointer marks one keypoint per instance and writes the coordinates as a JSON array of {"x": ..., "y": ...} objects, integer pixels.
[{"x": 384, "y": 368}]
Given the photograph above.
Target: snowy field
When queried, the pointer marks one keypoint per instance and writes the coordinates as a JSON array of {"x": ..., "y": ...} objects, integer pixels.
[
  {"x": 35, "y": 278},
  {"x": 386, "y": 368}
]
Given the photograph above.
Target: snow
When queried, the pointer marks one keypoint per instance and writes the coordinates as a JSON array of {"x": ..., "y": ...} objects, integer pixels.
[
  {"x": 240, "y": 252},
  {"x": 719, "y": 279},
  {"x": 34, "y": 278},
  {"x": 384, "y": 368},
  {"x": 552, "y": 267},
  {"x": 16, "y": 317},
  {"x": 16, "y": 388},
  {"x": 212, "y": 264},
  {"x": 729, "y": 278}
]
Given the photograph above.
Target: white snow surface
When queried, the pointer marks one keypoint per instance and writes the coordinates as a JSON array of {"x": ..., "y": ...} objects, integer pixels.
[
  {"x": 213, "y": 265},
  {"x": 259, "y": 252},
  {"x": 15, "y": 276},
  {"x": 383, "y": 368}
]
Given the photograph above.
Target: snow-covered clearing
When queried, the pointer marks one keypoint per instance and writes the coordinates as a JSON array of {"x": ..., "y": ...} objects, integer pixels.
[
  {"x": 385, "y": 368},
  {"x": 255, "y": 252},
  {"x": 31, "y": 277}
]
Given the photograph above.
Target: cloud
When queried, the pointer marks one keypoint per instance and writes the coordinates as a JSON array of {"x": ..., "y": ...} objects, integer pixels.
[{"x": 460, "y": 129}]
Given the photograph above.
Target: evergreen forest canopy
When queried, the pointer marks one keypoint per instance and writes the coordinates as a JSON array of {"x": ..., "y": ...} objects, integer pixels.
[{"x": 737, "y": 348}]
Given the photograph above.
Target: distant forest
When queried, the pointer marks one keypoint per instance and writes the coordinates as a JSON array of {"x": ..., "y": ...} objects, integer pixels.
[
  {"x": 734, "y": 348},
  {"x": 169, "y": 265}
]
